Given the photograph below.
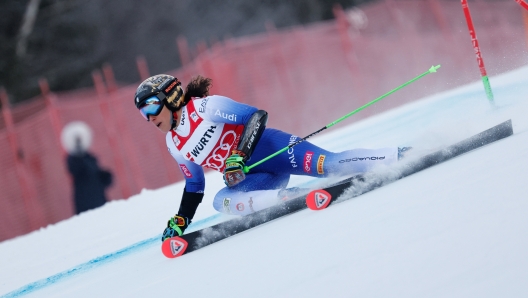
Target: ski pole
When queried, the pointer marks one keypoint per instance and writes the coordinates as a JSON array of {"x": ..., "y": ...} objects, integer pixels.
[{"x": 431, "y": 70}]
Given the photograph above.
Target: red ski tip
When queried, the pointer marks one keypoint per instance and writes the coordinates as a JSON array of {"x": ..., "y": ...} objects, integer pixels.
[
  {"x": 318, "y": 199},
  {"x": 174, "y": 247}
]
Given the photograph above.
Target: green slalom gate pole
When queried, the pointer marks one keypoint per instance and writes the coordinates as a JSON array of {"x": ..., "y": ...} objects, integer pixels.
[
  {"x": 431, "y": 70},
  {"x": 476, "y": 48}
]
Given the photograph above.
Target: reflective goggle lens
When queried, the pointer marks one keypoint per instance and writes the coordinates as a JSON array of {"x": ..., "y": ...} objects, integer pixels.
[{"x": 151, "y": 107}]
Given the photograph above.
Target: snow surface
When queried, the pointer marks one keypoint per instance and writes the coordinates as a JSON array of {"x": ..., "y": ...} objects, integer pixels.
[{"x": 459, "y": 229}]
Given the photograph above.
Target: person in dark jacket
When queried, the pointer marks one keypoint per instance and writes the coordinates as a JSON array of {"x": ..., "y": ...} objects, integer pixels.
[{"x": 89, "y": 180}]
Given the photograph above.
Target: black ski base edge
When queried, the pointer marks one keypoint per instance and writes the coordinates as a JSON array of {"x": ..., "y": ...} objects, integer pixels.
[{"x": 361, "y": 183}]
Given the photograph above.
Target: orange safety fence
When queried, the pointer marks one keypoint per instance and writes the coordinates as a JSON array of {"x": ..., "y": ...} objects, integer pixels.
[{"x": 304, "y": 76}]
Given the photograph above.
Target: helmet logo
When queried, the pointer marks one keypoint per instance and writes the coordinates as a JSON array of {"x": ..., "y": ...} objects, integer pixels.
[
  {"x": 176, "y": 99},
  {"x": 170, "y": 87}
]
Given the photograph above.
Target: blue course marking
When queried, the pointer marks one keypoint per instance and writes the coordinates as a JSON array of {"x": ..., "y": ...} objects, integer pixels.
[{"x": 48, "y": 281}]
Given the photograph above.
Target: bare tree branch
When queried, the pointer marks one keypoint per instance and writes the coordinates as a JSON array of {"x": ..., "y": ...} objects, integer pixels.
[{"x": 27, "y": 26}]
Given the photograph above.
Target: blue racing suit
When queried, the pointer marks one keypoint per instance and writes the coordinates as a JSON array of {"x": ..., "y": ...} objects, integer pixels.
[{"x": 211, "y": 127}]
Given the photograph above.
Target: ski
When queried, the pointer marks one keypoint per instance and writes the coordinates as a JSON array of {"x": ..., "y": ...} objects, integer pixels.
[{"x": 322, "y": 198}]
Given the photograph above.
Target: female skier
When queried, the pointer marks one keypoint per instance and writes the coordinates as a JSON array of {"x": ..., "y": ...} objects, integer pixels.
[{"x": 219, "y": 133}]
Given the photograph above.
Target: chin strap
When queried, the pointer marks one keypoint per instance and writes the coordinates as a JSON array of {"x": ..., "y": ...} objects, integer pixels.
[{"x": 173, "y": 123}]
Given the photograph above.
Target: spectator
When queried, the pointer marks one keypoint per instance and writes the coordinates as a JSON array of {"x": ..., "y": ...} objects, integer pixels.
[{"x": 89, "y": 180}]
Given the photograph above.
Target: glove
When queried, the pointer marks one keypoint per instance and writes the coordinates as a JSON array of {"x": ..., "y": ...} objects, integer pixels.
[
  {"x": 234, "y": 170},
  {"x": 175, "y": 227}
]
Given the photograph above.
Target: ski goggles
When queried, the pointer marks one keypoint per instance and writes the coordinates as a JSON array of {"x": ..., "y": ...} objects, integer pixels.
[{"x": 152, "y": 106}]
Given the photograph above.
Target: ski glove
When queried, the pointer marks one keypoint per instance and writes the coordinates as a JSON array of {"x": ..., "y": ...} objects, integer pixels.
[
  {"x": 175, "y": 227},
  {"x": 234, "y": 170}
]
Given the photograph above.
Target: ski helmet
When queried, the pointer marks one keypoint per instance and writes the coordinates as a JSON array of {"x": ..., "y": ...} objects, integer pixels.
[{"x": 165, "y": 87}]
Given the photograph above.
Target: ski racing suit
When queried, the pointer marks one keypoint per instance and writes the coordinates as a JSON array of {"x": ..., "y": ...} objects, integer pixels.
[{"x": 211, "y": 127}]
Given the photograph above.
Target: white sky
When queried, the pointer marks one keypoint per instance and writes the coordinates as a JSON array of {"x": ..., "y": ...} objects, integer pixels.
[{"x": 459, "y": 229}]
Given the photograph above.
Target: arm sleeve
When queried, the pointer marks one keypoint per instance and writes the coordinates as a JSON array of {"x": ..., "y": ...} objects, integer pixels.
[
  {"x": 193, "y": 173},
  {"x": 222, "y": 109},
  {"x": 253, "y": 130},
  {"x": 193, "y": 192}
]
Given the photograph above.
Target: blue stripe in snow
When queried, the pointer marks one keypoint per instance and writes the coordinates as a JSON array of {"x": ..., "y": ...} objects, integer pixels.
[{"x": 45, "y": 282}]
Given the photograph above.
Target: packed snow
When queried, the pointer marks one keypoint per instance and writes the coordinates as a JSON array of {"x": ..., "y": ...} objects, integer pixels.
[{"x": 458, "y": 229}]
